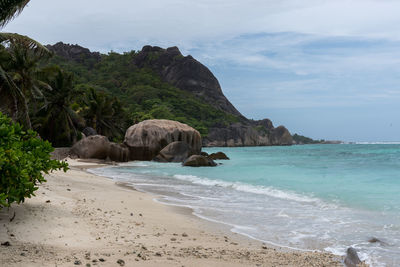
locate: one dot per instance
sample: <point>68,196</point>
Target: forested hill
<point>163,84</point>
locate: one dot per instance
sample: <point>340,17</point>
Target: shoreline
<point>80,218</point>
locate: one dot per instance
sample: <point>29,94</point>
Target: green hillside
<point>139,91</point>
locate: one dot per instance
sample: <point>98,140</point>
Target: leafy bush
<point>24,157</point>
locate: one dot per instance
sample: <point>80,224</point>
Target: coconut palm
<point>9,9</point>
<point>56,121</point>
<point>102,112</point>
<point>16,53</point>
<point>19,82</point>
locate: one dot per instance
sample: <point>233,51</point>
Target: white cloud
<point>100,23</point>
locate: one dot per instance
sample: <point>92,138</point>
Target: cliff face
<point>248,133</point>
<point>187,74</point>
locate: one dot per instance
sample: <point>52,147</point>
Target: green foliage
<point>9,9</point>
<point>19,71</point>
<point>56,120</point>
<point>262,129</point>
<point>140,92</point>
<point>24,157</point>
<point>300,139</point>
<point>102,112</point>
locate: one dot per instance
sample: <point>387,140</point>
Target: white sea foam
<point>378,143</point>
<point>261,190</point>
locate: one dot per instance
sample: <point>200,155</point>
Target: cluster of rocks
<point>158,140</point>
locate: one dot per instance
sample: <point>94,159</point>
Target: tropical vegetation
<point>140,92</point>
<point>24,156</point>
<point>23,159</point>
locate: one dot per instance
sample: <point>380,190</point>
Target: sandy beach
<point>81,219</point>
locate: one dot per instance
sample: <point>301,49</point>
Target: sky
<point>324,69</point>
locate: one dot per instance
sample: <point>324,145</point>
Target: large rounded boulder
<point>92,147</point>
<point>147,138</point>
<point>176,151</point>
<point>98,147</point>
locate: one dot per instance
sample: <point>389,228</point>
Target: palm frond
<point>9,39</point>
<point>10,9</point>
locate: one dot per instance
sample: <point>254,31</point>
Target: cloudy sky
<point>325,69</point>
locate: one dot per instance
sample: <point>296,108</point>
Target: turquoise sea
<point>310,197</point>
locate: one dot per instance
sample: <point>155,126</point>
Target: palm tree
<point>20,57</point>
<point>56,121</point>
<point>14,99</point>
<point>103,113</point>
<point>9,9</point>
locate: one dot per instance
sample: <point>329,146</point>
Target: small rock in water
<point>376,240</point>
<point>352,258</point>
<point>121,262</point>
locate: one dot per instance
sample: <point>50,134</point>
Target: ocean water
<point>311,197</point>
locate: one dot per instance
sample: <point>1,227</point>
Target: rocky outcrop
<point>237,134</point>
<point>98,147</point>
<point>199,161</point>
<point>218,156</point>
<point>174,152</point>
<point>75,52</point>
<point>186,73</point>
<point>147,138</point>
<point>92,147</point>
<point>251,133</point>
<point>280,136</point>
